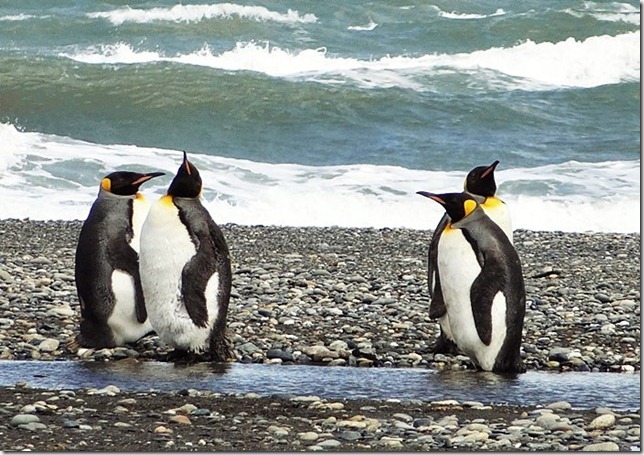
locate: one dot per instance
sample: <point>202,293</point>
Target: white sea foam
<point>370,26</point>
<point>196,13</point>
<point>119,53</point>
<point>20,17</point>
<point>609,12</point>
<point>595,61</point>
<point>51,177</point>
<point>466,16</point>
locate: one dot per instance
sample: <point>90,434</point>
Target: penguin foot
<point>444,345</point>
<point>74,344</point>
<point>180,356</point>
<point>183,357</point>
<point>221,349</point>
<point>511,366</point>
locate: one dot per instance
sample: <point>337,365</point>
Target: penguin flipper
<point>437,307</point>
<point>201,267</point>
<point>193,289</point>
<point>482,295</point>
<point>123,257</point>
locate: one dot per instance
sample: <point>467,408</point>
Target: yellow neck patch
<point>469,205</point>
<point>167,200</point>
<point>492,202</point>
<point>106,184</point>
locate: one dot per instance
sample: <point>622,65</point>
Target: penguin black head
<point>480,180</point>
<point>457,205</point>
<point>126,183</point>
<point>187,182</point>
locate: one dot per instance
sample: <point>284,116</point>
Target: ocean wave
<point>609,12</point>
<point>20,17</point>
<point>468,16</point>
<point>362,28</point>
<point>595,61</point>
<point>52,177</point>
<point>197,13</point>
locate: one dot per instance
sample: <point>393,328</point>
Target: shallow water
<point>582,390</point>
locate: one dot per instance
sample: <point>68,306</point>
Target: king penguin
<point>186,272</point>
<point>479,181</point>
<point>482,284</point>
<point>107,264</point>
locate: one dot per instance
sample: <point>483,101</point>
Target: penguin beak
<point>433,196</point>
<point>146,177</point>
<point>186,163</point>
<point>490,169</point>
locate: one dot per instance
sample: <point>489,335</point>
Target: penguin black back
<point>479,181</point>
<point>104,247</point>
<point>496,274</point>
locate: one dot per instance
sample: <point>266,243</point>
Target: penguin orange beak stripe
<point>431,196</point>
<point>186,164</point>
<point>147,177</point>
<point>490,168</point>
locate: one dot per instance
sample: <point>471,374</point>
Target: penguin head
<point>480,180</point>
<point>187,182</point>
<point>457,205</point>
<point>126,183</point>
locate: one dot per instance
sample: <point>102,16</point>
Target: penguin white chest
<point>458,268</point>
<point>166,247</point>
<point>140,209</point>
<point>125,327</point>
<point>122,320</point>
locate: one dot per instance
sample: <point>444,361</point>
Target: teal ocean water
<point>326,113</point>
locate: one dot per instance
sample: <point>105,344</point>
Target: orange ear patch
<point>106,184</point>
<point>469,205</point>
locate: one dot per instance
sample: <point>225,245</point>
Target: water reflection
<point>583,390</point>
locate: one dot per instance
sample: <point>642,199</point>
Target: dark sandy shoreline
<point>331,296</point>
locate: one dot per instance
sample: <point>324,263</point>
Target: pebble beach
<point>326,296</point>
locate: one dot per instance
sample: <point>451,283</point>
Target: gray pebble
<point>22,419</point>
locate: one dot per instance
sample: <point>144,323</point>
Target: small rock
<point>602,422</point>
<point>181,419</point>
<point>308,436</point>
<point>23,419</point>
<point>329,444</point>
<point>279,354</point>
<point>33,426</point>
<point>560,406</point>
<point>109,390</point>
<point>601,447</point>
<point>349,435</point>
